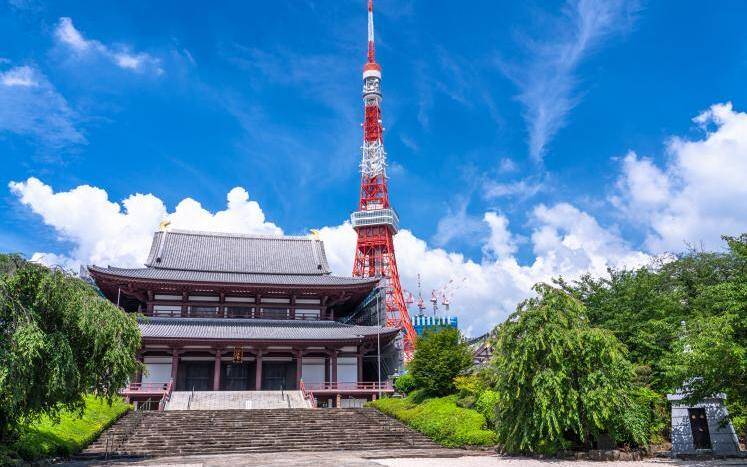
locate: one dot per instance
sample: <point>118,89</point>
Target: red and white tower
<point>375,221</point>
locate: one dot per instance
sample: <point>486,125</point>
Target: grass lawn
<point>45,438</point>
<point>441,420</point>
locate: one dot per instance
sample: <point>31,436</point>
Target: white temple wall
<point>158,369</point>
<point>347,369</point>
<point>312,370</point>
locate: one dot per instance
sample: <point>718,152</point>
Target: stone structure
<point>229,312</point>
<point>702,428</point>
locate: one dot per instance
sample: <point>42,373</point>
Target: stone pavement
<point>398,458</point>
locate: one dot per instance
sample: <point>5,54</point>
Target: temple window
<point>275,313</point>
<point>307,314</point>
<point>203,311</point>
<point>167,310</point>
<point>239,312</point>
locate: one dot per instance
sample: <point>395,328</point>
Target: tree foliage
<point>646,309</point>
<point>440,356</point>
<point>561,382</point>
<point>59,339</point>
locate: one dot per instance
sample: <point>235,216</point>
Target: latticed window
<point>239,312</point>
<point>203,311</point>
<point>275,313</point>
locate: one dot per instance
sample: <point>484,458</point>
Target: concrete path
<point>405,458</point>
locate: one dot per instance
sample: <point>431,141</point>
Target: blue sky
<point>489,107</point>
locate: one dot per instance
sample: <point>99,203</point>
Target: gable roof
<point>237,253</point>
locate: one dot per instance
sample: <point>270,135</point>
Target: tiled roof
<point>232,277</point>
<point>221,252</point>
<point>255,329</point>
<point>203,257</point>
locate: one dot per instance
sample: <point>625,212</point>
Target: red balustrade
<point>149,387</point>
<point>306,394</point>
<point>135,391</point>
<point>350,386</point>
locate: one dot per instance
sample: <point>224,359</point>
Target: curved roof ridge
<point>208,233</point>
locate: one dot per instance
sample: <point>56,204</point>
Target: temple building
<point>230,312</point>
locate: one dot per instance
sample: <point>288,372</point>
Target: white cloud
<point>501,243</point>
<point>547,79</point>
<point>699,193</point>
<point>507,165</point>
<point>105,232</point>
<point>19,76</point>
<point>565,241</point>
<point>121,55</point>
<point>525,188</point>
<point>458,224</point>
<point>31,106</point>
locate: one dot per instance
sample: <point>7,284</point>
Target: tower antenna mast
<point>375,221</point>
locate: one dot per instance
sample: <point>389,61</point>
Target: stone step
<point>181,432</point>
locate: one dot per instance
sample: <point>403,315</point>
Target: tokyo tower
<point>375,221</point>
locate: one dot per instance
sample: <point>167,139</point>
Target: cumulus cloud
<point>120,55</point>
<point>105,232</point>
<point>547,78</point>
<point>699,193</point>
<point>31,106</point>
<point>565,241</point>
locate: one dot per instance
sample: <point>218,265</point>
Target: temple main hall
<point>232,312</point>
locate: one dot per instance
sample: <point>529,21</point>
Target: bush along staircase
<point>186,432</point>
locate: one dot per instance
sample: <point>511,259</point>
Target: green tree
<point>59,339</point>
<point>644,308</point>
<point>559,381</point>
<point>440,356</point>
<point>711,354</point>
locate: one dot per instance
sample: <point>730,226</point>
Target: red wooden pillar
<point>299,368</point>
<point>359,364</point>
<point>326,369</point>
<point>174,364</point>
<point>333,364</point>
<point>216,371</point>
<point>258,372</point>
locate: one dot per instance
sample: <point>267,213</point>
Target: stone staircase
<point>230,400</point>
<point>182,432</point>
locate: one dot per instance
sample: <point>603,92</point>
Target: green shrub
<point>417,396</point>
<point>485,404</point>
<point>468,389</point>
<point>440,356</point>
<point>404,384</point>
<point>71,433</point>
<point>441,420</point>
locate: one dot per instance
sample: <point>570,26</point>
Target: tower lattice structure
<point>375,221</point>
